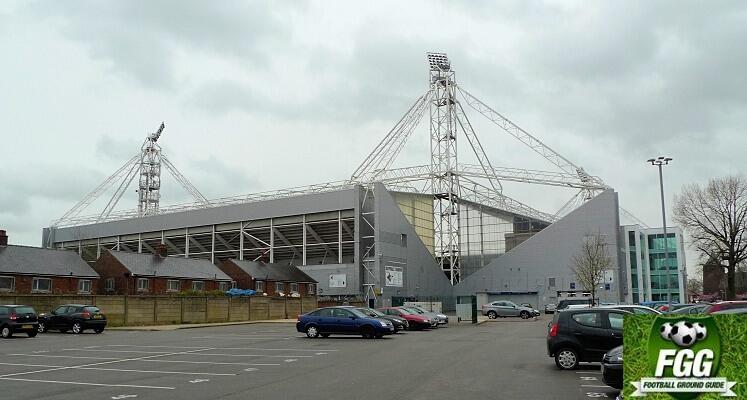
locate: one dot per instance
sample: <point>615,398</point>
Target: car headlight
<point>383,323</point>
<point>618,358</point>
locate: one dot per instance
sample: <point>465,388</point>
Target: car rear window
<point>92,309</point>
<point>25,310</point>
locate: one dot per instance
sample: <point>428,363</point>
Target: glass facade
<point>647,255</point>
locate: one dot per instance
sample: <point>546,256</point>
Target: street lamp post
<point>659,162</point>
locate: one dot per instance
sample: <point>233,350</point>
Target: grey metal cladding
<point>322,272</point>
<point>145,264</point>
<point>305,204</point>
<point>273,272</point>
<point>422,274</point>
<point>39,261</point>
<point>549,252</point>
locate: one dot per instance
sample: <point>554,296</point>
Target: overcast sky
<point>267,95</point>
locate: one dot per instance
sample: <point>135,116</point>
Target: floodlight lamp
<point>439,62</point>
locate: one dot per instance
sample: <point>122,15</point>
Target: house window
<point>7,283</point>
<point>84,286</point>
<point>42,285</point>
<point>109,285</point>
<point>294,287</point>
<point>172,285</point>
<point>311,289</point>
<point>143,284</point>
<point>223,286</point>
<point>259,286</point>
<point>279,286</point>
<point>198,286</point>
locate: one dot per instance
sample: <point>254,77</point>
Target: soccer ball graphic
<point>666,331</point>
<point>700,331</point>
<point>684,334</point>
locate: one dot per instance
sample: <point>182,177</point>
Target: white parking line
<point>76,357</point>
<point>243,337</point>
<point>87,384</point>
<point>210,363</point>
<point>217,348</point>
<point>120,370</point>
<point>253,355</point>
<point>99,363</point>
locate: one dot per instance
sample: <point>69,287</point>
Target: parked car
<point>725,305</point>
<point>343,321</point>
<point>612,368</point>
<point>504,308</point>
<point>665,308</point>
<point>653,304</point>
<point>635,309</point>
<point>692,309</point>
<point>550,308</point>
<point>442,319</point>
<point>584,335</point>
<point>17,319</point>
<point>73,317</point>
<point>563,304</point>
<point>399,323</point>
<point>731,311</point>
<point>416,321</point>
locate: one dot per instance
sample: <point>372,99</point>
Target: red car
<point>416,321</point>
<point>725,305</point>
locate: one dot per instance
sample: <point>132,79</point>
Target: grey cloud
<point>143,39</point>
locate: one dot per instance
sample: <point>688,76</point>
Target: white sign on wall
<point>608,276</point>
<point>393,276</point>
<point>338,280</point>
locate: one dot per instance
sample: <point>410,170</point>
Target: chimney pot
<point>3,238</point>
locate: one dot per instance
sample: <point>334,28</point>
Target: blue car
<point>344,321</point>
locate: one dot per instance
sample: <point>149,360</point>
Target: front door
<point>615,324</point>
<point>346,321</point>
<point>57,317</point>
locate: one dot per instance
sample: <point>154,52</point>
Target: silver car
<point>442,319</point>
<point>504,308</point>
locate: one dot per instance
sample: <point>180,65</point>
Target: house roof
<point>40,261</point>
<point>146,264</point>
<point>273,272</point>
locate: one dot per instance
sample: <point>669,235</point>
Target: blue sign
<point>573,285</point>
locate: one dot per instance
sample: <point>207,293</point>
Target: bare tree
<point>591,262</point>
<point>715,216</point>
<point>694,287</point>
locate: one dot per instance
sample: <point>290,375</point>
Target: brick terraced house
<point>273,279</point>
<point>156,274</point>
<point>33,270</point>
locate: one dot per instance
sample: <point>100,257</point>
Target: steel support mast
<point>149,189</point>
<point>445,177</point>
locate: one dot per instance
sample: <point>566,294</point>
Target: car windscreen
<point>25,310</point>
<point>358,313</point>
<point>374,312</point>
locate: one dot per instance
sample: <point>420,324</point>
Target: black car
<point>612,368</point>
<point>16,319</point>
<point>584,335</point>
<point>73,317</point>
<point>398,322</point>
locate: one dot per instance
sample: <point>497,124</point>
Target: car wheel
<point>566,359</point>
<point>32,333</point>
<point>98,330</point>
<point>524,315</point>
<point>492,314</point>
<point>367,332</point>
<point>42,328</point>
<point>77,328</point>
<point>5,332</point>
<point>312,332</point>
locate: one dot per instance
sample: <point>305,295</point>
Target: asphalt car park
<point>500,359</point>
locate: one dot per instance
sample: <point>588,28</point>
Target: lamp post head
<point>661,160</point>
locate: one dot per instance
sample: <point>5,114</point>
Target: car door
<point>589,329</point>
<point>614,322</point>
<point>57,317</point>
<point>325,320</point>
<point>346,321</point>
